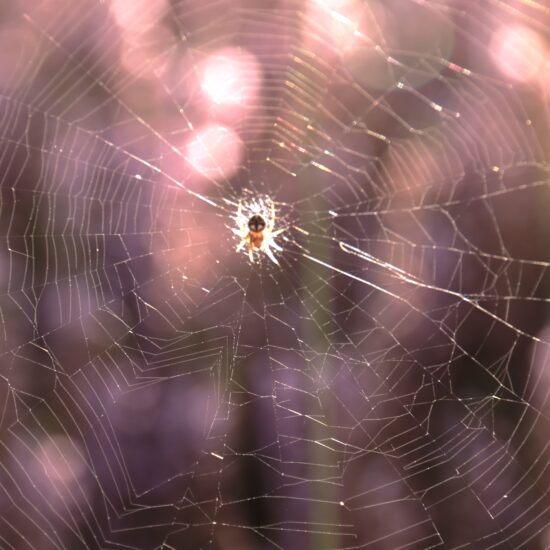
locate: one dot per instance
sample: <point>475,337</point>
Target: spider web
<point>386,386</point>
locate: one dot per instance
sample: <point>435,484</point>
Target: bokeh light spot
<point>215,151</point>
<point>518,52</point>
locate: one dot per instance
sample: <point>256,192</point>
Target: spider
<point>256,222</point>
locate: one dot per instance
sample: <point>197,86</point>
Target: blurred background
<point>385,385</point>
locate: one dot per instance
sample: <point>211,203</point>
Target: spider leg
<point>241,245</point>
<point>251,255</point>
<point>270,255</point>
<point>275,246</point>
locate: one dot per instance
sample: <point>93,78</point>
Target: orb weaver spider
<point>256,228</point>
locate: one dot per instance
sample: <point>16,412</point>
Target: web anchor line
<point>410,279</point>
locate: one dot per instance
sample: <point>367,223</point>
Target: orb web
<point>384,385</point>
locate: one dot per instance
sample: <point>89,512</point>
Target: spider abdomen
<point>256,239</point>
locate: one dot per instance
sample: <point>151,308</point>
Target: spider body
<point>256,222</point>
<point>255,240</point>
<point>255,237</point>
